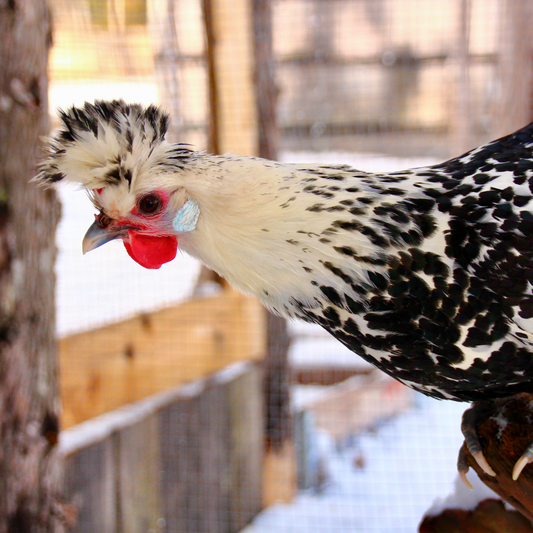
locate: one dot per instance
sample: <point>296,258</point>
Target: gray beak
<point>96,236</point>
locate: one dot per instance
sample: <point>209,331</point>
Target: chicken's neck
<point>287,234</point>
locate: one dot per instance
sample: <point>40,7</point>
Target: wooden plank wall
<point>108,367</point>
<point>188,460</point>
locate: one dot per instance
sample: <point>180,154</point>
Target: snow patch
<point>231,372</point>
<point>462,497</point>
<point>502,422</point>
<point>405,464</point>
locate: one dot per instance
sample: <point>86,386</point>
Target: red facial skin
<point>150,251</point>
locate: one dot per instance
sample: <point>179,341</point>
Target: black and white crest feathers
<point>108,138</point>
<point>90,116</point>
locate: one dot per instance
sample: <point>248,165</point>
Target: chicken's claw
<point>525,459</point>
<point>482,462</point>
<point>463,468</point>
<point>469,430</point>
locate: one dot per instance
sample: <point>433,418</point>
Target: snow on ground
<point>408,463</point>
<point>464,498</point>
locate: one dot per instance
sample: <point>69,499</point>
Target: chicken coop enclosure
<point>186,407</point>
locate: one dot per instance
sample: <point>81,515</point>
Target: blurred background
<point>212,415</point>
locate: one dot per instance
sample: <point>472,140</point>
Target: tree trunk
<point>29,405</point>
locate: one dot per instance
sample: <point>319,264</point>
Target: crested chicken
<point>426,273</point>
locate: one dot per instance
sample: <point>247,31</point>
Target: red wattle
<point>149,251</point>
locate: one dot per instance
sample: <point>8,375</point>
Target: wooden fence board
<point>195,463</point>
<point>213,474</point>
<point>108,367</point>
<point>185,461</point>
<point>246,449</point>
<point>138,472</point>
<point>189,498</point>
<point>175,478</point>
<point>90,486</point>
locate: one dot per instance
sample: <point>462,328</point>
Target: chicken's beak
<point>96,236</point>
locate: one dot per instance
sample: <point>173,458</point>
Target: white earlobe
<point>187,216</point>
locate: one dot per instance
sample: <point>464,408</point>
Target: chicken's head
<point>118,154</point>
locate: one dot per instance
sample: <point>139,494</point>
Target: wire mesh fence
<point>379,85</point>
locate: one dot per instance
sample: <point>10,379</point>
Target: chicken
<point>425,273</point>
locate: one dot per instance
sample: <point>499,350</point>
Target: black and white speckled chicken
<point>426,273</point>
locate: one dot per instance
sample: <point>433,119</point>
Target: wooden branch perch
<point>489,516</point>
<point>505,432</point>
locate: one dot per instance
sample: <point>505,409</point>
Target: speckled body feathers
<point>450,311</point>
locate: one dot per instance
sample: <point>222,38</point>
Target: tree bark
<point>29,405</point>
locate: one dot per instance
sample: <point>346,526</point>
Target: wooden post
<point>277,371</point>
<point>266,89</point>
<point>515,106</point>
<point>213,130</point>
<point>243,97</point>
<point>231,67</point>
<point>280,467</point>
<point>462,117</point>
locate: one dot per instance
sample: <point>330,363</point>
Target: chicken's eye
<point>150,204</point>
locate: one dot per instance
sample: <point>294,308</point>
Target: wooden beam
<point>111,366</point>
<point>212,92</point>
<point>325,376</point>
<point>514,107</point>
